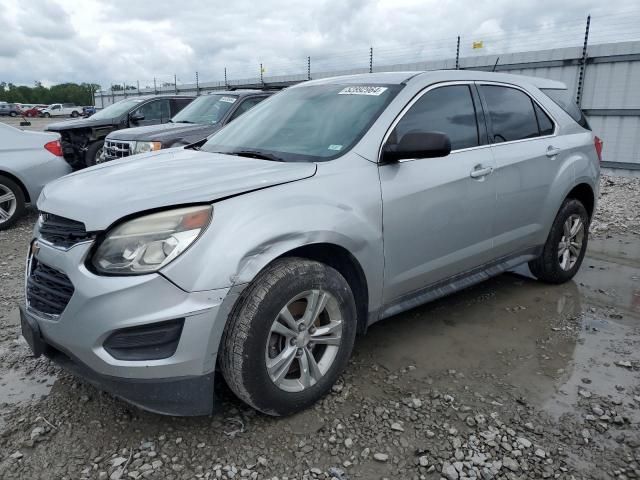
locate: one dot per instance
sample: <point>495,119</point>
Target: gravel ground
<point>509,379</point>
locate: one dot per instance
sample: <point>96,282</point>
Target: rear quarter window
<point>563,99</point>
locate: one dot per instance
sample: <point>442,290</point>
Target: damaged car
<point>257,255</point>
<point>202,117</point>
<point>83,139</point>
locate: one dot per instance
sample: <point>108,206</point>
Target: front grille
<point>62,232</point>
<point>114,149</point>
<point>48,290</point>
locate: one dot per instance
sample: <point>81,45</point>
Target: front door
<point>438,213</point>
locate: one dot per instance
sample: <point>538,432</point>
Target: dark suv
<point>82,139</point>
<point>205,115</point>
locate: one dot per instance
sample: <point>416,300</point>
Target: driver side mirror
<point>417,145</point>
<point>136,117</point>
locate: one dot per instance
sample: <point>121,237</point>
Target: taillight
<point>54,147</point>
<point>598,144</point>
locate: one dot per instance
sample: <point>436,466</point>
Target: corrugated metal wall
<point>610,98</point>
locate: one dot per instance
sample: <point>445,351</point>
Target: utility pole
<point>458,54</point>
<point>226,84</point>
<point>155,88</point>
<point>197,85</point>
<point>309,68</point>
<point>124,84</point>
<point>261,77</point>
<point>371,60</point>
<point>138,84</point>
<point>175,83</point>
<point>583,63</point>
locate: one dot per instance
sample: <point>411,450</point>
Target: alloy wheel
<point>304,340</point>
<point>8,204</point>
<point>570,244</point>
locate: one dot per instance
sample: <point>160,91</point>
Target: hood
<point>81,123</point>
<point>166,133</point>
<point>103,194</point>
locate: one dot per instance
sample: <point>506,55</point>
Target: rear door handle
<point>480,171</point>
<point>552,151</point>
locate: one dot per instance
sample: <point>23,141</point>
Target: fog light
<point>147,342</point>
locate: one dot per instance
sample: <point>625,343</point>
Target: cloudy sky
<point>116,41</point>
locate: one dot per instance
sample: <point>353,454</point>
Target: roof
<point>242,92</point>
<point>437,76</point>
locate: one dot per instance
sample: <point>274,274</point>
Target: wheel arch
<point>340,259</point>
<point>585,194</point>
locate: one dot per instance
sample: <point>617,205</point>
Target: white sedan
<point>28,161</point>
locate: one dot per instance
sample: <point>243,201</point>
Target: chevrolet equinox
<point>262,251</point>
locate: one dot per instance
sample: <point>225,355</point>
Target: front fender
<point>340,206</point>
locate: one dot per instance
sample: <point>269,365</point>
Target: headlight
<point>148,243</point>
<point>145,147</point>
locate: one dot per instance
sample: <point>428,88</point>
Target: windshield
<point>116,109</point>
<point>206,110</point>
<point>305,124</point>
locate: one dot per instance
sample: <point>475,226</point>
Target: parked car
<point>9,109</point>
<point>202,117</point>
<point>262,251</point>
<point>82,139</point>
<point>34,111</point>
<point>28,160</point>
<point>88,111</point>
<point>61,110</point>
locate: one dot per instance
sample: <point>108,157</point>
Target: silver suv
<point>260,253</point>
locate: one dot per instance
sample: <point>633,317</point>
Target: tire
<point>91,157</point>
<point>551,266</point>
<point>12,209</point>
<point>13,114</point>
<point>74,114</point>
<point>47,115</point>
<point>249,341</point>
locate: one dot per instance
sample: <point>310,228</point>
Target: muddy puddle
<point>543,344</point>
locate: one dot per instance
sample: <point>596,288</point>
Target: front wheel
<point>566,244</point>
<point>47,115</point>
<point>289,336</point>
<point>94,153</point>
<point>74,114</point>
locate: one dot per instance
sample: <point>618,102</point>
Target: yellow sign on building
<point>477,45</point>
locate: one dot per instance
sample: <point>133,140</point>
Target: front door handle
<point>552,151</point>
<point>479,171</point>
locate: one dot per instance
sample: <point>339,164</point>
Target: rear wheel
<point>12,202</point>
<point>289,336</point>
<point>93,154</point>
<point>566,245</point>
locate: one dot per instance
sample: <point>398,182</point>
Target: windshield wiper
<point>255,154</point>
<point>184,121</point>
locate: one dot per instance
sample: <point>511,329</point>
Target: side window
<point>448,110</point>
<point>178,104</point>
<point>157,110</point>
<point>511,113</point>
<point>545,125</point>
<point>248,104</point>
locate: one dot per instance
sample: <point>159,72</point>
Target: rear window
<point>563,99</point>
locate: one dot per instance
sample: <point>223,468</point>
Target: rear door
<point>527,156</point>
<point>438,212</point>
